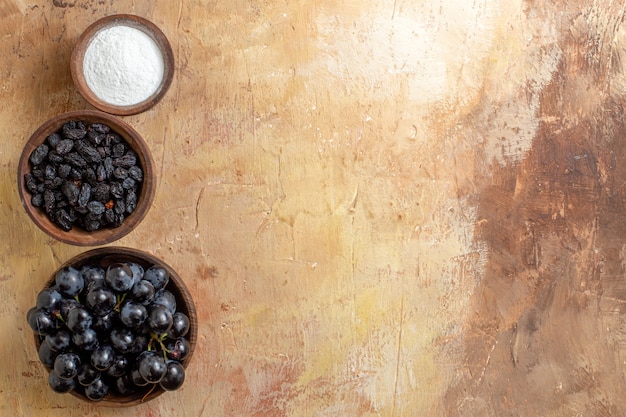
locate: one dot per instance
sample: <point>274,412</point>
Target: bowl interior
<point>106,256</point>
<point>78,56</point>
<point>78,236</point>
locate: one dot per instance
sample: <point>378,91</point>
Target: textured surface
<point>382,208</point>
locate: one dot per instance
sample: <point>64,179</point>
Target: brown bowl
<point>136,22</point>
<point>106,256</point>
<point>78,236</point>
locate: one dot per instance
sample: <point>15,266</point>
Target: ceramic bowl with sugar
<point>122,64</point>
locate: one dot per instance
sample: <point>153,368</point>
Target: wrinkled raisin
<point>125,161</point>
<point>135,173</point>
<point>37,200</point>
<point>64,146</point>
<point>84,195</point>
<point>101,192</point>
<point>31,182</point>
<point>96,207</point>
<point>39,154</point>
<point>71,192</point>
<point>54,139</point>
<point>64,170</point>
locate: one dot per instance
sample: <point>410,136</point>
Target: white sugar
<point>123,65</point>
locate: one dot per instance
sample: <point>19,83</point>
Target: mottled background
<point>382,208</point>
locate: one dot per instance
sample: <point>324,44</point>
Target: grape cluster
<point>111,330</point>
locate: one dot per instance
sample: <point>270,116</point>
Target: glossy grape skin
<point>59,340</point>
<point>174,376</point>
<point>122,339</point>
<point>119,366</point>
<point>60,385</point>
<point>78,319</point>
<point>143,292</point>
<point>124,386</point>
<point>101,301</point>
<point>97,390</point>
<point>132,313</point>
<point>69,281</point>
<point>66,365</point>
<point>167,299</point>
<point>66,306</point>
<point>86,339</point>
<point>47,355</point>
<point>93,276</point>
<point>137,379</point>
<point>49,299</point>
<point>119,277</point>
<point>157,276</point>
<point>41,321</point>
<point>87,374</point>
<point>178,349</point>
<point>180,325</point>
<point>104,324</point>
<point>102,357</point>
<point>137,271</point>
<point>160,319</point>
<point>151,366</point>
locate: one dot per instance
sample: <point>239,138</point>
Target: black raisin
<point>131,202</point>
<point>75,159</point>
<point>50,172</point>
<point>64,170</point>
<point>117,190</point>
<point>118,150</point>
<point>54,183</point>
<point>75,134</point>
<point>108,166</point>
<point>53,139</point>
<point>135,173</point>
<point>38,172</point>
<point>71,192</point>
<point>101,173</point>
<point>95,137</point>
<point>76,174</point>
<point>84,195</point>
<point>30,182</point>
<point>120,206</point>
<point>99,128</point>
<point>126,161</point>
<point>120,173</point>
<point>37,200</point>
<point>101,192</point>
<point>89,175</point>
<point>91,225</point>
<point>64,146</point>
<point>39,154</point>
<point>49,200</point>
<point>54,157</point>
<point>62,218</point>
<point>109,216</point>
<point>129,183</point>
<point>96,207</point>
<point>90,154</point>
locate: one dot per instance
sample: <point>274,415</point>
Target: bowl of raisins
<point>115,326</point>
<point>86,178</point>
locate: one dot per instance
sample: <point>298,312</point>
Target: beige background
<point>382,208</point>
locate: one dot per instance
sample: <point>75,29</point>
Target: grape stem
<point>159,338</point>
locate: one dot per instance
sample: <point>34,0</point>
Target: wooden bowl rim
<point>77,236</point>
<point>111,254</point>
<point>146,26</point>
